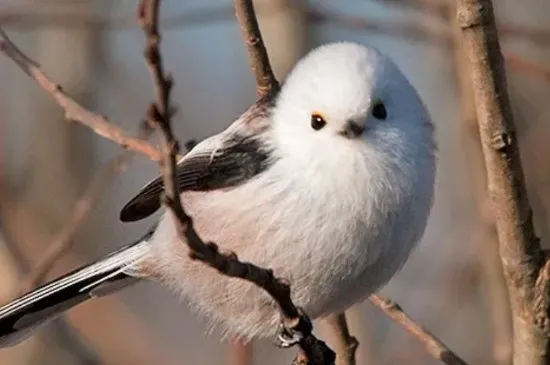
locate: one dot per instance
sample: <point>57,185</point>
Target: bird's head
<point>346,96</point>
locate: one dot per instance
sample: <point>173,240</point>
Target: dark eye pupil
<point>379,111</point>
<point>317,122</point>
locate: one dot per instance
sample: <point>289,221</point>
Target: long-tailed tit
<point>329,183</point>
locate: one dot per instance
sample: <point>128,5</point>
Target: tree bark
<point>484,225</point>
<point>525,267</point>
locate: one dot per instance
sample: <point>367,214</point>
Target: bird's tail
<point>21,317</point>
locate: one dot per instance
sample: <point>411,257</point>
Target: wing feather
<point>222,161</point>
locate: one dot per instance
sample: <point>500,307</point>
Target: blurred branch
<point>346,345</point>
<point>108,326</point>
<point>73,110</point>
<point>63,241</point>
<point>433,345</point>
<point>266,83</point>
<point>239,352</point>
<point>226,263</point>
<point>525,264</point>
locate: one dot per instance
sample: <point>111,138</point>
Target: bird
<point>329,182</point>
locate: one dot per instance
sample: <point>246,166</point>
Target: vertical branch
<point>266,83</point>
<point>484,225</point>
<point>159,111</point>
<point>346,345</point>
<point>294,320</point>
<point>526,269</point>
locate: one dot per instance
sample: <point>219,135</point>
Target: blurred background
<point>61,186</point>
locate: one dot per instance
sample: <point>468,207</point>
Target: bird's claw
<point>291,333</point>
<point>287,337</point>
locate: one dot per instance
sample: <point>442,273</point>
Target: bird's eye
<point>379,111</point>
<point>317,121</point>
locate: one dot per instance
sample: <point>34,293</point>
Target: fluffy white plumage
<point>329,184</point>
<point>335,216</point>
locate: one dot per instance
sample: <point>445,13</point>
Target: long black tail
<point>20,318</point>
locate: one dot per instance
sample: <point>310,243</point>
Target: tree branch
<point>208,252</point>
<point>101,323</point>
<point>73,110</point>
<point>433,345</point>
<point>63,240</point>
<point>522,258</point>
<point>159,112</point>
<point>266,83</point>
<point>489,262</point>
<point>346,346</point>
<point>228,264</point>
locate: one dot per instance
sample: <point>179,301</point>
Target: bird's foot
<point>287,337</point>
<point>291,332</point>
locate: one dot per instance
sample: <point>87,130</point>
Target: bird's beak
<point>352,129</point>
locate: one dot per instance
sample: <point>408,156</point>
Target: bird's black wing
<point>222,161</point>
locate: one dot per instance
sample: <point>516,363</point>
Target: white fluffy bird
<point>329,183</point>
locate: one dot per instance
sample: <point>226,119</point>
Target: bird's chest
<point>323,236</point>
<point>309,225</point>
<point>274,219</point>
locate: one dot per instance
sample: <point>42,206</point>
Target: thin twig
<point>433,345</point>
<point>266,83</point>
<point>64,238</point>
<point>207,252</point>
<point>523,261</point>
<point>73,110</point>
<point>346,344</point>
<point>226,263</point>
